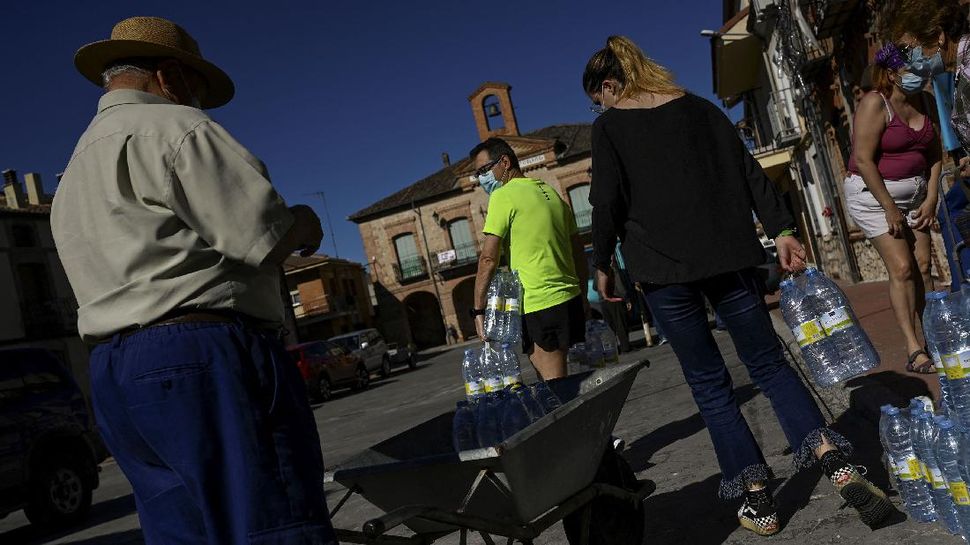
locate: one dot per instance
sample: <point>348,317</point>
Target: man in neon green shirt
<point>538,228</point>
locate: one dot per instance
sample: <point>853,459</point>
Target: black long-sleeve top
<point>676,184</point>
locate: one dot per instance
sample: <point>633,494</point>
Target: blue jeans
<point>211,425</point>
<point>956,202</point>
<point>737,299</point>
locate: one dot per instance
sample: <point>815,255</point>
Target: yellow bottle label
<point>955,366</point>
<point>910,469</point>
<point>959,492</point>
<point>809,332</point>
<point>474,388</point>
<point>495,303</point>
<point>937,479</point>
<point>493,385</point>
<point>925,472</point>
<point>511,305</point>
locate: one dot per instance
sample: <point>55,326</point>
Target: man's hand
<point>604,285</point>
<point>791,254</point>
<point>480,327</point>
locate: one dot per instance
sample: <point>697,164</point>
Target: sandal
<point>925,368</point>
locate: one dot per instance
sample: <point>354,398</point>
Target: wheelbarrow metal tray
<point>534,470</point>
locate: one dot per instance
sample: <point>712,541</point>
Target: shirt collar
<point>129,96</point>
<point>523,179</point>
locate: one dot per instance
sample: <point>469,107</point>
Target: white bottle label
<point>495,303</point>
<point>493,384</point>
<point>957,366</point>
<point>835,320</point>
<point>936,478</point>
<point>474,388</point>
<point>511,305</point>
<point>809,332</point>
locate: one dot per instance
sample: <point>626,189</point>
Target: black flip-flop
<point>923,369</point>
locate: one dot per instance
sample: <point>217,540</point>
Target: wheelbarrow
<point>561,467</point>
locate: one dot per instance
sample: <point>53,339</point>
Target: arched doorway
<point>424,319</point>
<point>463,297</point>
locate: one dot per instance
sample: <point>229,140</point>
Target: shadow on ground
<point>101,513</point>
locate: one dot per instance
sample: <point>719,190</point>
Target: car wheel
<point>59,495</point>
<point>320,390</point>
<point>386,367</point>
<point>412,363</point>
<point>363,378</point>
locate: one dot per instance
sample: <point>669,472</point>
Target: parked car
<point>49,449</point>
<point>400,354</point>
<point>326,366</point>
<point>370,346</point>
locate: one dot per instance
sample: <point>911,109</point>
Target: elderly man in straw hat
<point>172,236</point>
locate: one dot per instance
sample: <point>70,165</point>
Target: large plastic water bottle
<point>964,435</point>
<point>856,352</point>
<point>801,311</point>
<point>547,399</point>
<point>493,378</point>
<point>512,317</point>
<point>948,455</point>
<point>471,371</point>
<point>900,449</point>
<point>488,425</point>
<point>932,475</point>
<point>464,434</point>
<point>885,420</point>
<point>950,333</point>
<point>601,346</point>
<point>514,417</point>
<point>931,312</point>
<point>494,308</point>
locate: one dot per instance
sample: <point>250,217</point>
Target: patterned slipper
<point>758,513</point>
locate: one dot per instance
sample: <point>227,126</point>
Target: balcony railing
<point>410,269</point>
<point>828,17</point>
<point>465,253</point>
<point>781,129</point>
<point>584,219</point>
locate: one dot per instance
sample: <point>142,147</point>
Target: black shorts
<point>554,328</point>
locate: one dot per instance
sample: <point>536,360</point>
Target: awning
<point>736,57</point>
<point>775,164</point>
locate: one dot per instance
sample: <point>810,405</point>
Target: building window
<point>409,262</point>
<point>493,113</point>
<point>462,241</point>
<point>582,210</point>
<point>295,298</point>
<point>24,236</point>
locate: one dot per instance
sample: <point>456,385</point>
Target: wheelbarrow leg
<point>463,536</point>
<point>584,524</point>
<point>487,538</point>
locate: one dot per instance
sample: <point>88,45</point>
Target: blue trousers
<point>211,425</point>
<point>956,202</point>
<point>738,301</point>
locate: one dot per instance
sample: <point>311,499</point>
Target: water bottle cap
<point>936,296</point>
<point>892,411</point>
<point>811,271</point>
<point>787,283</point>
<point>885,408</point>
<point>469,351</point>
<point>506,346</point>
<point>945,424</point>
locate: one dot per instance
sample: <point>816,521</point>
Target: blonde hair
<point>623,61</point>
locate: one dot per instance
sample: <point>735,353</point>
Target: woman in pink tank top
<point>893,183</point>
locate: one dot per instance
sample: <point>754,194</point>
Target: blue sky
<point>356,99</point>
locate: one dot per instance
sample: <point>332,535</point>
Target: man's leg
<point>547,335</point>
<point>225,410</point>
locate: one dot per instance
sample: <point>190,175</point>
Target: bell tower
<point>492,107</point>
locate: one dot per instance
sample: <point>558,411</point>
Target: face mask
<point>925,66</point>
<point>488,182</point>
<point>912,84</point>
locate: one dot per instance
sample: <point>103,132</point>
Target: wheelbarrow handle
<point>375,528</point>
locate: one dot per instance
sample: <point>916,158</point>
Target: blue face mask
<point>912,84</point>
<point>488,182</point>
<point>925,66</point>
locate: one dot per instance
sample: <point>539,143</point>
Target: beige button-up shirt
<point>161,210</point>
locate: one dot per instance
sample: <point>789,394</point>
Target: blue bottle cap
<point>787,283</point>
<point>506,346</point>
<point>946,424</point>
<point>892,410</point>
<point>936,296</point>
<point>811,271</point>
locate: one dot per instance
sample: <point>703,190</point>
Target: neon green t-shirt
<point>537,227</point>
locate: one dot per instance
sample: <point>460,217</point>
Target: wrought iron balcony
<point>410,269</point>
<point>828,17</point>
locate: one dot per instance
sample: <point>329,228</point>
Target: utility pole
<point>431,273</point>
<point>326,213</point>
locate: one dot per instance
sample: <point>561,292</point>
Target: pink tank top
<point>903,151</point>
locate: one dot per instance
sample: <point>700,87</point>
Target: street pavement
<point>666,443</point>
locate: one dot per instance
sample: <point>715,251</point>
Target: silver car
<point>370,346</point>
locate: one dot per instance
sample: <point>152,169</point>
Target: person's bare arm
<point>869,126</point>
<point>487,265</point>
<point>305,235</point>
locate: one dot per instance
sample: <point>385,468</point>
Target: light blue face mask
<point>925,66</point>
<point>488,182</point>
<point>911,84</point>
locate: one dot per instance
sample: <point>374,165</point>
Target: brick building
<point>37,305</point>
<point>422,242</point>
<point>329,296</point>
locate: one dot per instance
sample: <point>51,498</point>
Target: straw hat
<point>153,37</point>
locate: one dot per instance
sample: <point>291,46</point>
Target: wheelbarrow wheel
<point>613,521</point>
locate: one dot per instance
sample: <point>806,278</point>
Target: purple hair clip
<point>890,57</point>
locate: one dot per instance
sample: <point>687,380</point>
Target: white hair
<point>116,70</point>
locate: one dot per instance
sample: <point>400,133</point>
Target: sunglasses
<point>484,169</point>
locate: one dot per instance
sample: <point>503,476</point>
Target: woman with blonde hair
<point>672,180</point>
